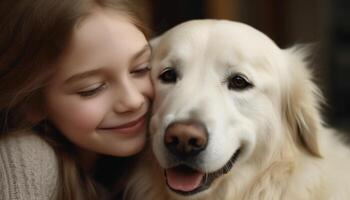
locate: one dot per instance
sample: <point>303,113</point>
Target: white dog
<point>236,117</point>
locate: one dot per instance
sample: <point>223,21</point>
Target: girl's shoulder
<point>28,167</point>
<point>27,146</point>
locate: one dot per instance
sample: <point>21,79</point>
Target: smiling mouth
<point>127,125</point>
<point>185,180</point>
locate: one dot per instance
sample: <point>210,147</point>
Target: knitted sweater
<point>28,168</point>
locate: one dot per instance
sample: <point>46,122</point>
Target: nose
<point>186,139</point>
<point>129,99</point>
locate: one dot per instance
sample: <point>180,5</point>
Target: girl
<point>74,85</point>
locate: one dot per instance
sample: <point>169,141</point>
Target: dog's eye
<point>169,75</point>
<point>238,82</point>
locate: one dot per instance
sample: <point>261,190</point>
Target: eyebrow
<point>83,75</point>
<point>144,50</point>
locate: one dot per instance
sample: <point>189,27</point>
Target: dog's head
<point>227,98</point>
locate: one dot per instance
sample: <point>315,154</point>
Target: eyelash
<point>141,71</point>
<point>92,92</point>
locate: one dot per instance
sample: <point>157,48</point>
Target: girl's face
<point>100,96</point>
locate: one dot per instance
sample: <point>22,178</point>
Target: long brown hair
<point>33,35</point>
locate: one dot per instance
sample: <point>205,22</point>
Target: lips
<point>130,125</point>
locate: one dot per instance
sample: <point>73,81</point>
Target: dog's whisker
<point>205,177</point>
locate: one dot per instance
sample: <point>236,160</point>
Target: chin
<point>130,148</point>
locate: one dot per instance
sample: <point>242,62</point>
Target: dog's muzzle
<point>184,142</point>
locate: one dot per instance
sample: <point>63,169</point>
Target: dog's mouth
<point>185,180</point>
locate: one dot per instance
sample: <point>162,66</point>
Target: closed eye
<point>92,91</point>
<point>141,70</point>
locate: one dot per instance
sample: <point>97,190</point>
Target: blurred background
<point>325,23</point>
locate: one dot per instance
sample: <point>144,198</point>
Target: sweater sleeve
<point>28,168</point>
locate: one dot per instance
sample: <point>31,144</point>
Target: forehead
<point>102,39</point>
<point>217,39</point>
<point>105,28</point>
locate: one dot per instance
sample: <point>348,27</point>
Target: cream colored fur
<point>287,152</point>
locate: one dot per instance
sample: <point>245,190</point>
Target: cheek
<point>85,116</point>
<point>76,114</point>
<point>145,86</point>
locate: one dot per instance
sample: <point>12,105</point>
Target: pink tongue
<point>183,181</point>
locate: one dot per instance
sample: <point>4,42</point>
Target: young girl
<point>74,85</point>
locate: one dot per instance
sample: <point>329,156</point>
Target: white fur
<point>287,152</point>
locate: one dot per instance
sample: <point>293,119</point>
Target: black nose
<point>186,138</point>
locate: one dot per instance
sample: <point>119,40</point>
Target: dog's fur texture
<point>286,151</point>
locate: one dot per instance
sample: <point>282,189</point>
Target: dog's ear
<point>301,102</point>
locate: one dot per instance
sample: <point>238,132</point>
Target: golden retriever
<point>236,117</point>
